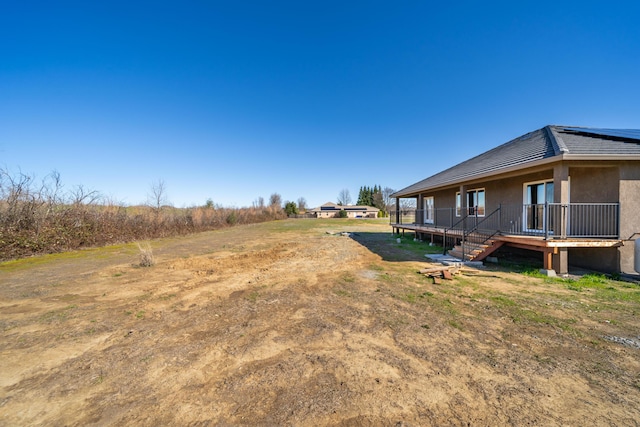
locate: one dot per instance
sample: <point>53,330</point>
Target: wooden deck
<point>548,247</point>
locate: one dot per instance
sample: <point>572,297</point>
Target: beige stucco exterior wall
<point>605,260</point>
<point>629,212</point>
<point>325,214</point>
<point>443,199</point>
<point>594,184</point>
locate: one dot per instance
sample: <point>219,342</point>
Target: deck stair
<point>475,251</point>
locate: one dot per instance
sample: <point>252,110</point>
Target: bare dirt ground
<point>283,324</point>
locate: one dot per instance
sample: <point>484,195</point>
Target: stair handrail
<point>444,236</point>
<point>467,233</point>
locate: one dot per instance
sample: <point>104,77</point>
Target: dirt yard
<point>284,324</point>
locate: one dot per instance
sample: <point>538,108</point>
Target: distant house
<point>332,210</point>
<point>571,193</point>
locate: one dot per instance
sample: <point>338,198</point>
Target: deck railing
<point>549,220</point>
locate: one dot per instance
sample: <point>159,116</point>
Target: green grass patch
<point>455,324</point>
<point>253,296</point>
<point>413,297</point>
<point>527,310</point>
<point>413,246</point>
<point>603,289</point>
<point>58,315</point>
<point>322,224</point>
<point>41,260</point>
<point>503,301</point>
<point>599,286</point>
<point>612,294</point>
<point>390,278</point>
<point>348,278</point>
<point>523,315</point>
<point>535,273</point>
<point>589,281</point>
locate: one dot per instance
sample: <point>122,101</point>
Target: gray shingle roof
<point>546,143</point>
<point>586,141</point>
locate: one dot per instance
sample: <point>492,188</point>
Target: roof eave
<point>509,169</point>
<point>620,157</point>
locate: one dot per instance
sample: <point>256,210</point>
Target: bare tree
<point>378,202</point>
<point>275,200</point>
<point>51,186</point>
<point>408,203</point>
<point>158,195</point>
<point>259,202</point>
<point>302,204</point>
<point>344,197</point>
<point>387,199</point>
<point>14,188</point>
<point>81,195</point>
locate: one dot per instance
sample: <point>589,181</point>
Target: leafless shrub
<point>146,255</point>
<point>37,218</point>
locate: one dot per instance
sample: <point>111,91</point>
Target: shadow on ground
<point>387,247</point>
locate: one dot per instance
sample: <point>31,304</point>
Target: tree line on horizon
<point>41,217</point>
<point>375,196</point>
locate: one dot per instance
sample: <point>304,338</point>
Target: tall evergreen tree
<point>372,196</point>
<point>367,197</point>
<point>360,198</point>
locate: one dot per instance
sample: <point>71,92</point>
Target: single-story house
<point>572,193</point>
<point>332,210</point>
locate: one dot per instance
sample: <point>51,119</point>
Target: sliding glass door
<point>536,196</point>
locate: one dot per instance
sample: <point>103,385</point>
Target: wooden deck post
<point>561,261</point>
<point>548,260</point>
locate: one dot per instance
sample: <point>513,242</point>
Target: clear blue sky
<point>235,100</point>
